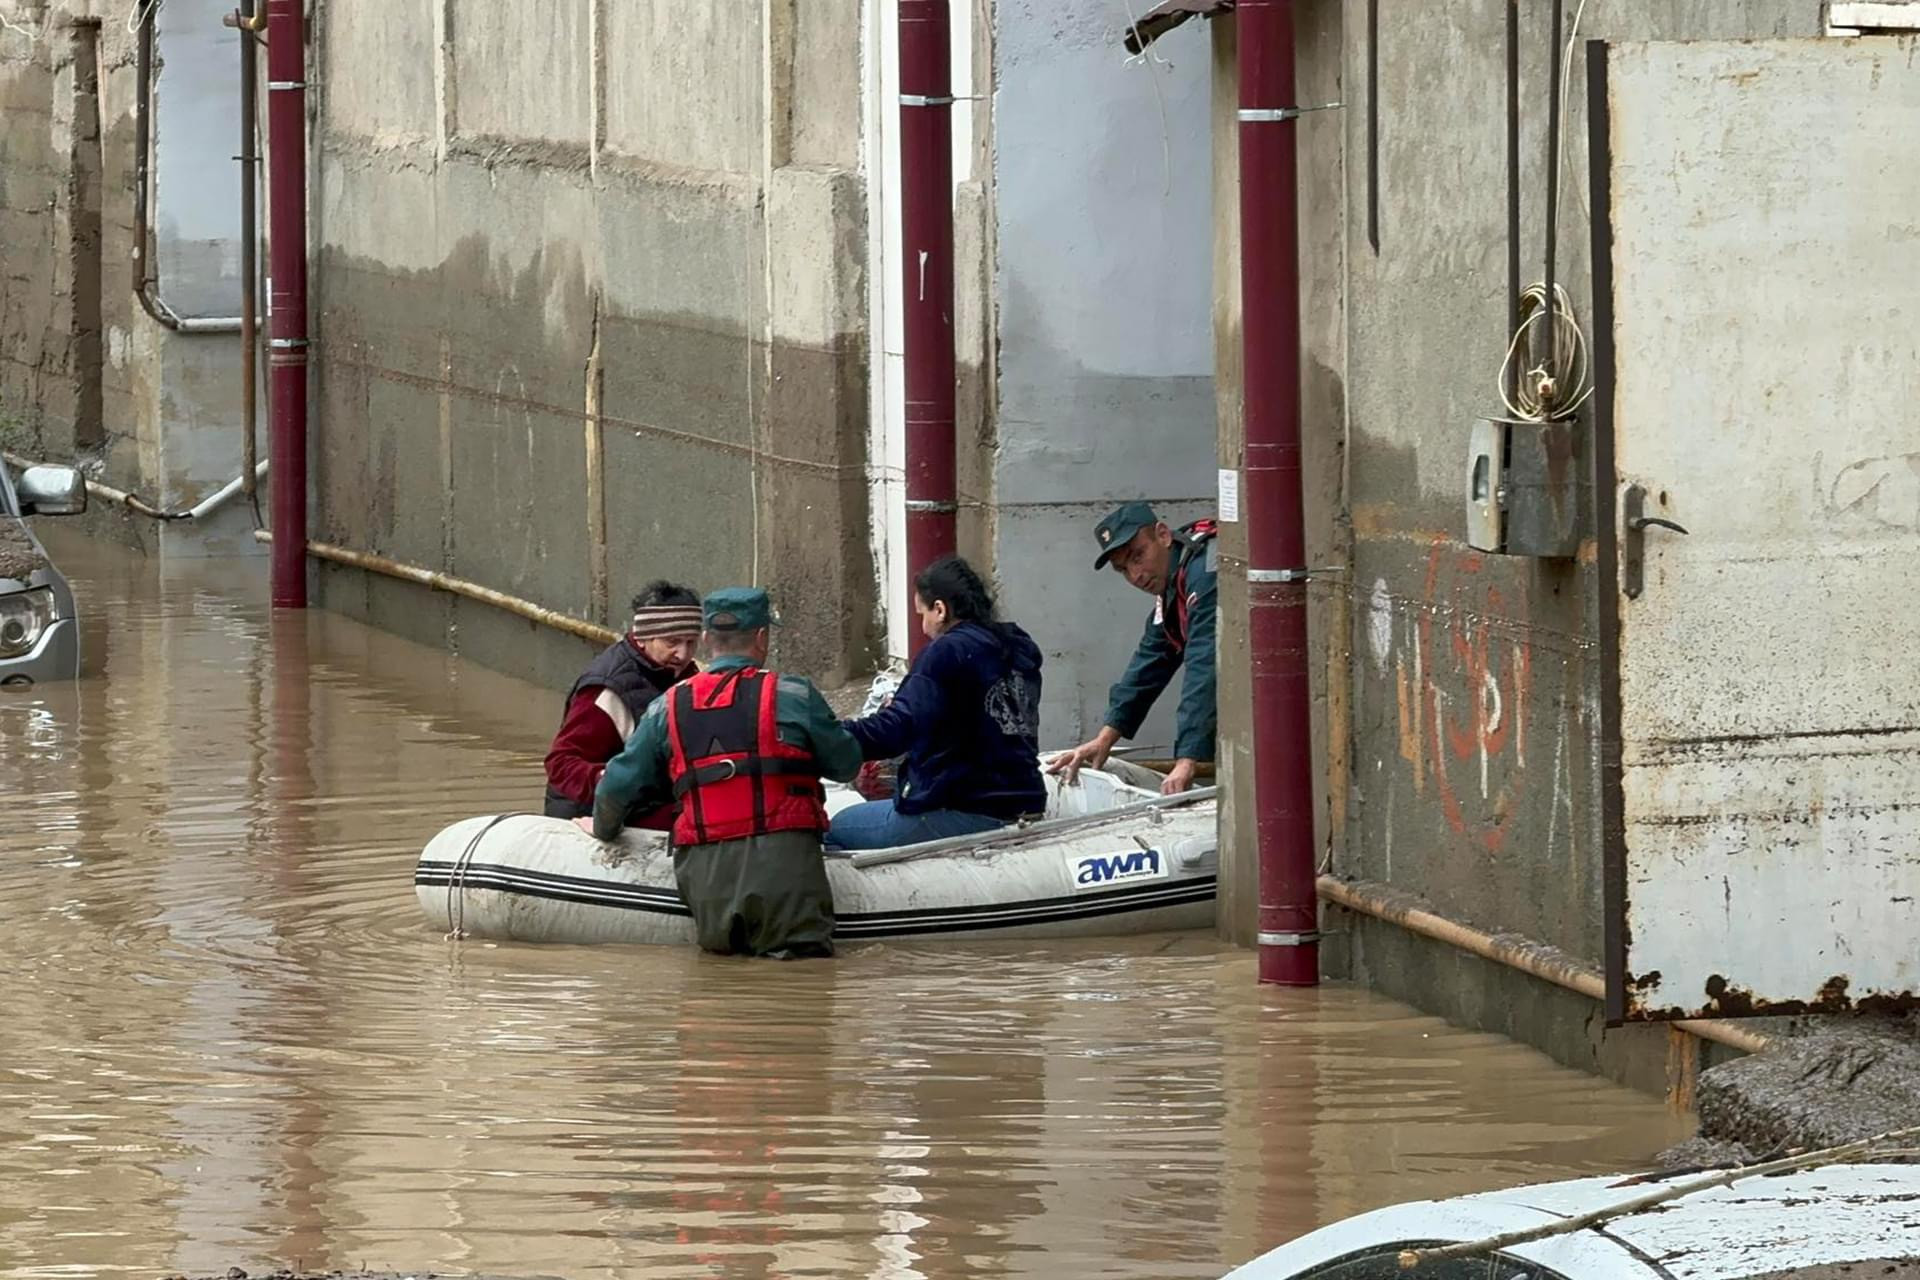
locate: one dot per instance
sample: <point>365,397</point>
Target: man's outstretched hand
<point>1090,754</point>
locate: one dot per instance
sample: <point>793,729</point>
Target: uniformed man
<point>1177,568</point>
<point>743,749</point>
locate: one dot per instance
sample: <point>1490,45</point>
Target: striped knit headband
<point>666,621</point>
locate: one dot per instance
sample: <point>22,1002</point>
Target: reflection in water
<point>230,1039</point>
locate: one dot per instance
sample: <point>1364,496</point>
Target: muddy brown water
<point>228,1038</point>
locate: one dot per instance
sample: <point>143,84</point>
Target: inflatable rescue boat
<point>1108,858</point>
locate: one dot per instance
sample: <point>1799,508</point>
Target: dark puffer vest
<point>634,682</point>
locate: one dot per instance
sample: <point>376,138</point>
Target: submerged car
<point>1838,1222</point>
<point>39,630</point>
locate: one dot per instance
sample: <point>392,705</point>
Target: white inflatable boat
<point>1108,858</point>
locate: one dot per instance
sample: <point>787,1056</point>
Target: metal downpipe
<point>287,306</point>
<point>926,224</point>
<point>1289,937</point>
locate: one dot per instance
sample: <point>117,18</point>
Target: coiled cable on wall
<point>1553,383</point>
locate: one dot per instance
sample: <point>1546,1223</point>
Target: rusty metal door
<point>1757,314</point>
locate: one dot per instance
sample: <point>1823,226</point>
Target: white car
<point>1840,1222</point>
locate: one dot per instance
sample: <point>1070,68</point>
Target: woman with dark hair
<point>967,718</point>
<point>607,701</point>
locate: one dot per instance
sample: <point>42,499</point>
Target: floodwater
<point>227,1038</point>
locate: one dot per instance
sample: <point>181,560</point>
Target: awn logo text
<point>1116,868</point>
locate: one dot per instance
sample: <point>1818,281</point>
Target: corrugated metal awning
<point>1169,14</point>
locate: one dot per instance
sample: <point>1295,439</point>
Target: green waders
<point>762,896</point>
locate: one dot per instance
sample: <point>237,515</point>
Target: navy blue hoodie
<point>967,717</point>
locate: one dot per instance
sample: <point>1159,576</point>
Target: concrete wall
<point>84,372</point>
<point>1100,196</point>
<point>48,118</point>
<point>1460,755</point>
<point>590,293</point>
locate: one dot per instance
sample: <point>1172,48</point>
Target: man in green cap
<point>743,750</point>
<point>1177,568</point>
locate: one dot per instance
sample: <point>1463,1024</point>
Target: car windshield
<point>1382,1262</point>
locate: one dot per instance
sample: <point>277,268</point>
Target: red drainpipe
<point>1289,939</point>
<point>287,298</point>
<point>926,233</point>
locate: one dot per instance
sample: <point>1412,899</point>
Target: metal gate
<point>1757,295</point>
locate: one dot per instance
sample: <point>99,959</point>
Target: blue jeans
<point>877,825</point>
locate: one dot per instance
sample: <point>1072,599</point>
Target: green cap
<point>1118,529</point>
<point>736,609</point>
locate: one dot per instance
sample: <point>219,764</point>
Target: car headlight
<point>24,615</point>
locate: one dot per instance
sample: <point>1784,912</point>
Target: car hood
<point>22,561</point>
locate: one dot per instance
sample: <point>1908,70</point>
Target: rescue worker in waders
<point>743,750</point>
<point>607,701</point>
<point>1177,568</point>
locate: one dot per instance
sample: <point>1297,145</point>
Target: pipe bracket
<point>1279,115</point>
<point>1271,939</point>
<point>932,506</point>
<point>287,344</point>
<point>277,86</point>
<point>1289,575</point>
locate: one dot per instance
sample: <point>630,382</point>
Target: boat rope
<point>457,878</point>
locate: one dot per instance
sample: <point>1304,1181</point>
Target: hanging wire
<point>1554,383</point>
<point>8,24</point>
<point>1150,58</point>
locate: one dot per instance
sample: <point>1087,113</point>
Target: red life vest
<point>733,776</point>
<point>1198,535</point>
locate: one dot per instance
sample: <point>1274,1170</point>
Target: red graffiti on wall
<point>1464,705</point>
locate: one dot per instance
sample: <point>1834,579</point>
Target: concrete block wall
<point>40,328</point>
<point>590,297</point>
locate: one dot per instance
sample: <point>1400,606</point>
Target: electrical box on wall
<point>1523,488</point>
<point>1486,486</point>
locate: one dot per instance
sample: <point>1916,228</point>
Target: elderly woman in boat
<point>967,718</point>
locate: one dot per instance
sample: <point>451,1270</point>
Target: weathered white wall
<point>1104,285</point>
<point>1768,672</point>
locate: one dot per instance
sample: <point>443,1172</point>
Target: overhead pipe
<point>926,227</point>
<point>1289,938</point>
<point>146,275</point>
<point>287,303</point>
<point>248,24</point>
